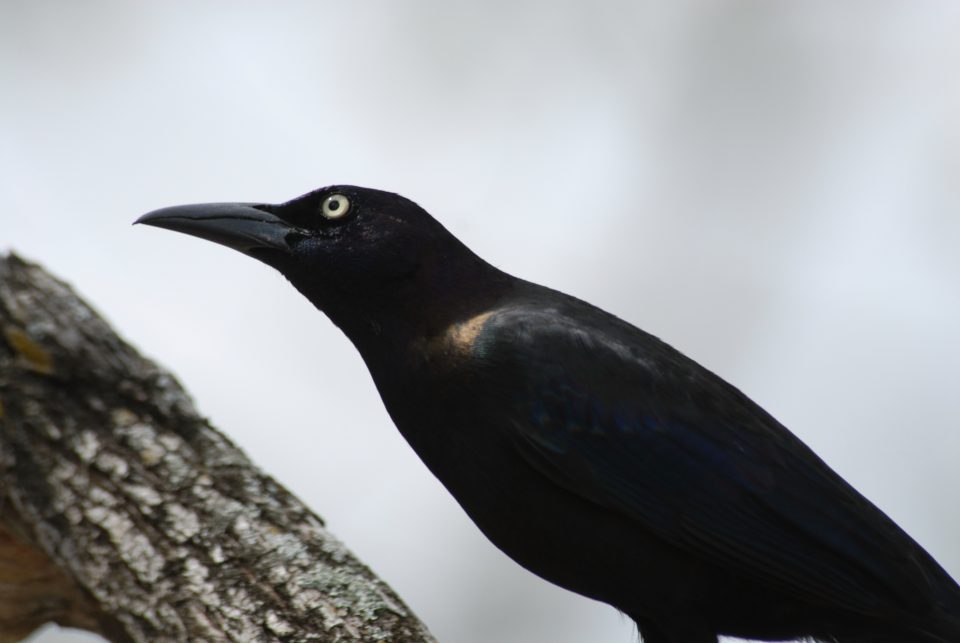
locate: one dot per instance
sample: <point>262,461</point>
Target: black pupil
<point>334,204</point>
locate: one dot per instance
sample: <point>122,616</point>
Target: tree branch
<point>123,512</point>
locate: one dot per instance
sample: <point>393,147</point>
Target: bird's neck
<point>421,305</point>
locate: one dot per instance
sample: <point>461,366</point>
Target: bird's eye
<point>335,206</point>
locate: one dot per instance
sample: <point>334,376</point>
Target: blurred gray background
<point>771,187</point>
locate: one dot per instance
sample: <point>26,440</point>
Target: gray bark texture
<point>123,512</point>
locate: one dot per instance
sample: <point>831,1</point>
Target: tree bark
<point>124,512</point>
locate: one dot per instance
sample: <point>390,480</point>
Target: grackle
<point>589,451</point>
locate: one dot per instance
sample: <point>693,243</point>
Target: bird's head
<point>367,258</point>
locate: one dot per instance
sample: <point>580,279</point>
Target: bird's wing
<point>623,420</point>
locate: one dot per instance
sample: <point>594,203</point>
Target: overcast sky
<point>773,188</point>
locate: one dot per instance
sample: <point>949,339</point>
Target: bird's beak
<point>241,226</point>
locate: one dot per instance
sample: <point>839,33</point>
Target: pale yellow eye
<point>335,206</point>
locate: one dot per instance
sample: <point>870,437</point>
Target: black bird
<point>589,451</point>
